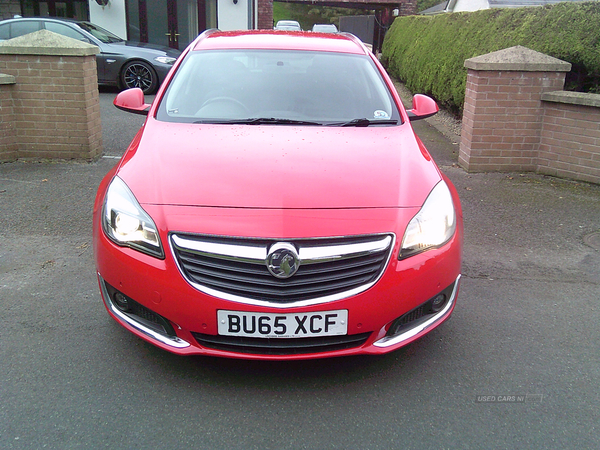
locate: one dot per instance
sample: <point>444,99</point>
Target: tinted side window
<point>23,27</point>
<point>65,30</point>
<point>4,31</point>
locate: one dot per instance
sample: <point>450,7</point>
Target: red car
<point>277,204</point>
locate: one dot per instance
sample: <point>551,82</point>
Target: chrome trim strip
<point>258,255</point>
<point>395,340</point>
<point>247,253</point>
<point>311,255</point>
<point>265,303</point>
<point>387,239</point>
<point>175,342</point>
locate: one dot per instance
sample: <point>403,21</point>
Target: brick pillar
<point>265,14</point>
<point>407,8</point>
<point>8,143</point>
<point>56,106</point>
<point>503,111</point>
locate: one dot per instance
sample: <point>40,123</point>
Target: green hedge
<point>428,53</point>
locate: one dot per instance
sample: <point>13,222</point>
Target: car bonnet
<point>250,166</point>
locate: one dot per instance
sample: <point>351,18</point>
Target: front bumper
<point>151,331</point>
<point>158,286</point>
<point>139,324</point>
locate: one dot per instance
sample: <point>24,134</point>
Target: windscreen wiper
<point>259,121</point>
<point>276,121</point>
<point>363,122</point>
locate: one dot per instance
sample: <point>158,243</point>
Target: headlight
<point>165,59</point>
<point>433,225</point>
<point>126,223</point>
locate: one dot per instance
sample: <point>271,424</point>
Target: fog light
<point>121,301</point>
<point>438,303</point>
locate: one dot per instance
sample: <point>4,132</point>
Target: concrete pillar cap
<point>517,59</point>
<point>7,79</point>
<point>44,42</point>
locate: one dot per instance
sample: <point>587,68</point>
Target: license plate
<point>289,325</point>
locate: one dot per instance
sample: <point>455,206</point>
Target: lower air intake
<point>260,346</point>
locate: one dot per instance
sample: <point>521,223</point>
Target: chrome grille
<point>236,269</point>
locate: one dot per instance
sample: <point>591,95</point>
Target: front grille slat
<point>266,280</point>
<point>246,279</point>
<point>298,346</point>
<point>220,264</point>
<point>283,292</point>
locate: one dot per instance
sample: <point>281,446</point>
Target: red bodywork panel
<point>292,40</point>
<point>279,167</point>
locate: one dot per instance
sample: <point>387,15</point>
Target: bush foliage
<point>428,53</point>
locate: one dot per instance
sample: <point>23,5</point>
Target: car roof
<point>45,19</point>
<point>279,40</point>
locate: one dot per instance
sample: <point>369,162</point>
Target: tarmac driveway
<point>517,365</point>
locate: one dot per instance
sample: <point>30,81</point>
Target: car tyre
<point>139,74</point>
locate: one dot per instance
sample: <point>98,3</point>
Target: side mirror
<point>423,107</point>
<point>132,100</point>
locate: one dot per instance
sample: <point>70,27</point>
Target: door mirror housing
<point>132,100</point>
<point>423,107</point>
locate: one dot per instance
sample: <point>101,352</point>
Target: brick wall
<point>517,118</point>
<point>265,15</point>
<point>9,8</point>
<point>55,109</point>
<point>8,143</point>
<point>503,118</point>
<point>570,137</point>
<point>407,8</point>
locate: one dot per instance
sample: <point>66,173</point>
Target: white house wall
<point>233,16</point>
<point>110,17</point>
<point>470,5</point>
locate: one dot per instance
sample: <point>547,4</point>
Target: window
<point>99,33</point>
<point>65,30</point>
<point>294,85</point>
<point>4,32</point>
<point>321,87</point>
<point>24,27</point>
<point>73,9</point>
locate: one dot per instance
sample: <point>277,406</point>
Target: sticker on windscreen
<point>380,114</point>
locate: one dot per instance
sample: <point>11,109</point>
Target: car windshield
<point>278,87</point>
<point>325,28</point>
<point>291,25</point>
<point>99,33</point>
